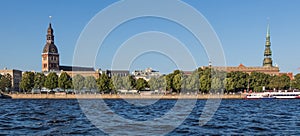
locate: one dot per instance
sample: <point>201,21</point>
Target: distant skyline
<point>240,25</point>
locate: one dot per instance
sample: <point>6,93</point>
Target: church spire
<point>268,31</point>
<point>50,36</point>
<point>50,56</point>
<point>268,53</point>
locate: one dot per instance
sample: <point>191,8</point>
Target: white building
<point>146,74</point>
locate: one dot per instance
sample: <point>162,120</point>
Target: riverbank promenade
<point>124,96</point>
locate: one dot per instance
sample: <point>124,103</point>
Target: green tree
<point>39,80</point>
<point>128,82</point>
<point>177,82</point>
<point>296,82</point>
<point>64,81</point>
<point>117,82</point>
<point>141,84</point>
<point>78,82</point>
<point>229,86</point>
<point>111,86</point>
<point>5,82</point>
<point>205,83</point>
<point>103,83</point>
<point>132,81</point>
<point>258,80</point>
<point>216,84</point>
<point>157,83</point>
<point>239,79</point>
<point>169,81</point>
<point>27,81</point>
<point>51,81</point>
<point>90,83</point>
<point>280,82</point>
<point>192,82</point>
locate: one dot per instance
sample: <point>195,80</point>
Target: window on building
<point>45,65</point>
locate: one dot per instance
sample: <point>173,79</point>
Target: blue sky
<point>240,26</point>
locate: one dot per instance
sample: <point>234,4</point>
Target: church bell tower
<point>50,56</point>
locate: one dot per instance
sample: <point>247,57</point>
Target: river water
<point>66,117</point>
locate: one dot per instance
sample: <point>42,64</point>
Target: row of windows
<point>51,58</point>
<point>52,65</point>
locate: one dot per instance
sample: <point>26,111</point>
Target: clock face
<point>52,50</point>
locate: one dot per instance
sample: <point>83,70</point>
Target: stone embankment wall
<point>122,96</point>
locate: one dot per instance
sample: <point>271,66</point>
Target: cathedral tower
<point>50,56</point>
<point>268,53</point>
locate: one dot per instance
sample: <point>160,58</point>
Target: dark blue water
<point>65,117</point>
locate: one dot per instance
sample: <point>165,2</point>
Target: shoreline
<point>123,96</point>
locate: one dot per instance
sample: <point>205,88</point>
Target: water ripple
<point>234,117</point>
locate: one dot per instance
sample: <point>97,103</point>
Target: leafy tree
<point>258,80</point>
<point>157,83</point>
<point>78,82</point>
<point>117,82</point>
<point>205,83</point>
<point>39,80</point>
<point>177,82</point>
<point>128,82</point>
<point>90,83</point>
<point>5,82</point>
<point>169,80</point>
<point>132,82</point>
<point>216,84</point>
<point>141,84</point>
<point>239,79</point>
<point>51,81</point>
<point>64,81</point>
<point>192,82</point>
<point>103,83</point>
<point>296,82</point>
<point>27,81</point>
<point>111,86</point>
<point>229,86</point>
<point>280,82</point>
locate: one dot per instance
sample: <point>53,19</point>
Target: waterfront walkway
<point>124,96</point>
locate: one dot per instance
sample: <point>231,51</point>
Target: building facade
<point>146,74</point>
<point>119,73</point>
<point>16,76</point>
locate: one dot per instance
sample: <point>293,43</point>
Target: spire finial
<point>50,19</point>
<point>268,27</point>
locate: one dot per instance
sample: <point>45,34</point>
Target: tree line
<point>205,80</point>
<point>5,82</point>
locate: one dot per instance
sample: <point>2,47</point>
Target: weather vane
<point>50,18</point>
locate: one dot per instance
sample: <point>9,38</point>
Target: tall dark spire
<point>50,36</point>
<point>268,53</point>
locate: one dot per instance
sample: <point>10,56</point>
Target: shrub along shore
<point>124,96</point>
